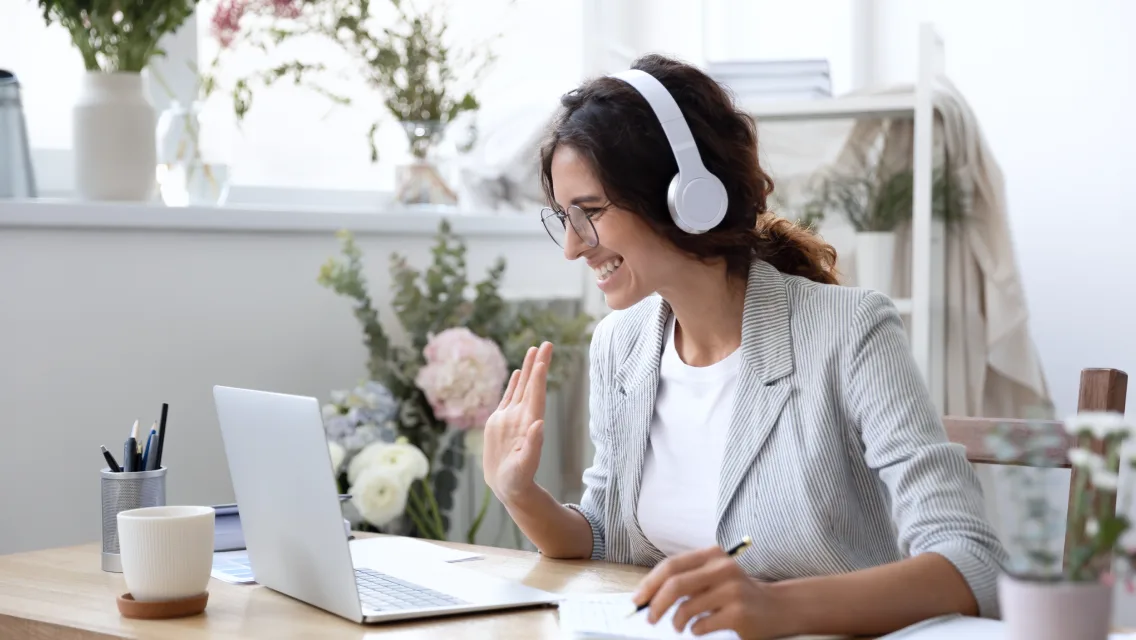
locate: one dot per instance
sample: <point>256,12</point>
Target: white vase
<point>1054,610</point>
<point>875,258</point>
<point>114,138</point>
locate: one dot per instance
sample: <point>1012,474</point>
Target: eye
<point>594,213</point>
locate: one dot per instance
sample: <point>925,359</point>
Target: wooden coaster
<point>131,608</point>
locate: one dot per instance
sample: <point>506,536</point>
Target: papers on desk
<point>368,551</point>
<point>233,566</point>
<point>605,616</point>
<point>954,627</point>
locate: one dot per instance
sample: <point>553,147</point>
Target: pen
<point>129,451</point>
<point>111,463</point>
<point>161,436</point>
<point>149,454</point>
<point>735,550</point>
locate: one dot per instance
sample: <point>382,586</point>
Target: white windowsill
<point>73,214</point>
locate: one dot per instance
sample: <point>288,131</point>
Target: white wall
<point>98,327</point>
<point>1053,84</point>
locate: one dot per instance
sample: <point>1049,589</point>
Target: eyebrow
<point>585,199</point>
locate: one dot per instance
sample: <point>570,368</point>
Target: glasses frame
<point>565,218</point>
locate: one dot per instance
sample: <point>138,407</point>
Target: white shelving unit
<point>926,306</point>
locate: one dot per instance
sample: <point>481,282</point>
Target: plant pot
<point>1054,610</point>
<point>875,258</point>
<point>420,182</point>
<point>114,138</point>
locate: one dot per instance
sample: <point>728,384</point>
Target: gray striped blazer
<point>836,461</point>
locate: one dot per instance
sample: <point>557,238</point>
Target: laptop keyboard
<point>380,592</point>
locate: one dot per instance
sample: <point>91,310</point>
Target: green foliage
<point>410,61</point>
<point>428,302</point>
<point>876,197</point>
<point>117,35</point>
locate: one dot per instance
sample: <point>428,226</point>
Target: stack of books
<point>767,80</point>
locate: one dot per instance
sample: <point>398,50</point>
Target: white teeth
<point>605,269</point>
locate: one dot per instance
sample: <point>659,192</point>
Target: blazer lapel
<point>767,358</point>
<point>637,384</point>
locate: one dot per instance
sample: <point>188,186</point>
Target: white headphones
<point>696,198</point>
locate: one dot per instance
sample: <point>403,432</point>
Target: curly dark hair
<point>613,127</point>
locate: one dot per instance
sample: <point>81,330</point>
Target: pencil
<point>161,436</point>
<point>735,550</point>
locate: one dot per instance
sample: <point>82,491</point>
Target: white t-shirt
<point>678,495</point>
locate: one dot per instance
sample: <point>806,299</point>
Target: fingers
<point>526,371</point>
<point>708,602</point>
<point>673,566</point>
<point>689,583</point>
<point>538,383</point>
<point>727,617</point>
<point>509,389</point>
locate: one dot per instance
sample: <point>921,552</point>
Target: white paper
<point>606,616</point>
<point>366,551</point>
<point>955,627</point>
<point>232,567</point>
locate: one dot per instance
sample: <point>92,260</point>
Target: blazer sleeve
<point>593,502</point>
<point>936,498</point>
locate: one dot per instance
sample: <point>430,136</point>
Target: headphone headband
<point>670,116</point>
<point>696,198</point>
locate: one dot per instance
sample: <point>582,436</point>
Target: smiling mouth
<point>604,271</point>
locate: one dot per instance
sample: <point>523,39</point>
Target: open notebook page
<point>605,616</point>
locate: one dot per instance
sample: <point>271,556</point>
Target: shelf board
<point>899,104</point>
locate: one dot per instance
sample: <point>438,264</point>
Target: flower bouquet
<point>432,391</point>
<point>1073,587</point>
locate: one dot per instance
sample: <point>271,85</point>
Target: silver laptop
<point>293,525</point>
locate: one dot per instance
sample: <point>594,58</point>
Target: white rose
<point>1092,527</point>
<point>1105,480</point>
<point>337,453</point>
<point>1099,424</point>
<point>379,494</point>
<point>403,458</point>
<point>329,411</point>
<point>1085,459</point>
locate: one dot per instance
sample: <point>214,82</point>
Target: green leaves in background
<point>117,35</point>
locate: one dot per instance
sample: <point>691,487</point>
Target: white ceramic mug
<point>167,552</point>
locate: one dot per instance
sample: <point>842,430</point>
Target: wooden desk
<point>63,594</point>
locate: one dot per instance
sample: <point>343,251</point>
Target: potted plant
<point>876,197</point>
<point>1047,594</point>
<point>425,82</point>
<point>114,119</point>
<point>433,389</point>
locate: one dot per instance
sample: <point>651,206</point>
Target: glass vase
<point>191,172</point>
<point>420,182</point>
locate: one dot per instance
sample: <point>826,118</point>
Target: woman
<point>752,396</point>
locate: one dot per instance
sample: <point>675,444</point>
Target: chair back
<point>1101,390</point>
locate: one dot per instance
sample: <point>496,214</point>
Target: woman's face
<point>631,260</point>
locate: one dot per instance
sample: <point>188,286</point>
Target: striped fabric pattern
<point>836,460</point>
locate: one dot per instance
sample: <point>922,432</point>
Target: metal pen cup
<point>122,491</point>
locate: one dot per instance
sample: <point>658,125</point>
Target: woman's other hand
<point>515,432</point>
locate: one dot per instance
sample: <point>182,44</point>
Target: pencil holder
<point>123,491</point>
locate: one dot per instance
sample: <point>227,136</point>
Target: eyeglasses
<point>556,224</point>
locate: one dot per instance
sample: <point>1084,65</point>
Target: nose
<point>574,247</point>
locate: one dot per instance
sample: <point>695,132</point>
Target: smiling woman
<point>736,390</point>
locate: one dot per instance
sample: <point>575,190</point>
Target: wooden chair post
<point>1101,390</point>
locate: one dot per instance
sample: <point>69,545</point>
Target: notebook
<point>605,616</point>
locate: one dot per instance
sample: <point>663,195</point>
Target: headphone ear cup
<point>673,203</point>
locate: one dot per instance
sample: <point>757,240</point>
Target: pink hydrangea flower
<point>285,8</point>
<point>463,377</point>
<point>226,21</point>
